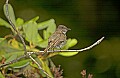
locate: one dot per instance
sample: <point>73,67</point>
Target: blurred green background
<point>89,20</point>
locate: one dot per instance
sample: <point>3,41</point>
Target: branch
<point>13,61</point>
<point>84,49</point>
<point>13,26</point>
<point>37,53</point>
<point>81,50</point>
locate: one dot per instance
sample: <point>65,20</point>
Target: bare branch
<point>13,61</point>
<point>81,50</point>
<point>13,26</point>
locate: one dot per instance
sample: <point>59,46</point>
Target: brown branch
<point>13,26</point>
<point>13,61</point>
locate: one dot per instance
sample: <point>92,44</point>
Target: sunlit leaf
<point>45,67</point>
<point>43,44</point>
<point>14,43</point>
<point>6,47</point>
<point>4,23</point>
<point>12,57</point>
<point>68,53</point>
<point>3,45</point>
<point>39,39</point>
<point>9,11</point>
<point>51,28</point>
<point>31,31</point>
<point>20,64</point>
<point>45,24</point>
<point>19,22</point>
<point>7,55</point>
<point>70,43</point>
<point>34,19</point>
<point>45,34</point>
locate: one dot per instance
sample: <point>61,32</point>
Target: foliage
<point>11,48</point>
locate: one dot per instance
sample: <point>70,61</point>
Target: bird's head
<point>63,28</point>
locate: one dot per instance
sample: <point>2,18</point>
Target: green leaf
<point>6,48</point>
<point>31,32</point>
<point>45,34</point>
<point>21,64</point>
<point>43,44</point>
<point>8,55</point>
<point>51,28</point>
<point>34,65</point>
<point>45,67</point>
<point>3,44</point>
<point>1,75</point>
<point>12,57</point>
<point>34,19</point>
<point>4,23</point>
<point>70,43</point>
<point>68,54</point>
<point>39,39</point>
<point>46,24</point>
<point>19,22</point>
<point>10,11</point>
<point>15,44</point>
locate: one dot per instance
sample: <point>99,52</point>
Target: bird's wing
<point>52,40</point>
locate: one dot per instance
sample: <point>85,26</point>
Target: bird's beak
<point>68,29</point>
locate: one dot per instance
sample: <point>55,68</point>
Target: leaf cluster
<point>11,47</point>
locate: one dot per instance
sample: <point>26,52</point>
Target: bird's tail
<point>45,51</point>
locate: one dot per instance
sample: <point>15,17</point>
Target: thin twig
<point>39,66</point>
<point>81,50</point>
<point>13,61</point>
<point>13,26</point>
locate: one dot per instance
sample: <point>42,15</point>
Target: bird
<point>57,39</point>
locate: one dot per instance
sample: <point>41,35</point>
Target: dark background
<point>89,20</point>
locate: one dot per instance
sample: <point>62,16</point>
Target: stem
<point>81,50</point>
<point>39,66</point>
<point>13,26</point>
<point>13,61</point>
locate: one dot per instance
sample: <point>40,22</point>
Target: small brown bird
<point>57,39</point>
